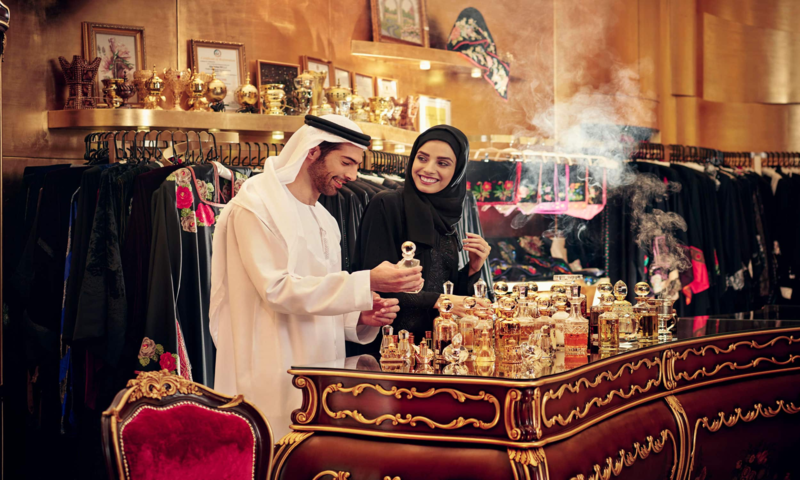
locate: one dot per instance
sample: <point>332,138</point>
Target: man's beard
<point>321,178</point>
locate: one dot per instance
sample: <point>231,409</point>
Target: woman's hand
<point>478,250</point>
<point>458,304</point>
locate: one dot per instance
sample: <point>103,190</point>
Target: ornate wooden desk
<point>720,402</point>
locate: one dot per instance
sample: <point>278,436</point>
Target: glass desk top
<point>685,329</point>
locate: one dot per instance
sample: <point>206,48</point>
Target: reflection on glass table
<point>528,364</point>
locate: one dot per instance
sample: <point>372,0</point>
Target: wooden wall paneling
<point>683,39</point>
<point>748,126</point>
<point>773,14</point>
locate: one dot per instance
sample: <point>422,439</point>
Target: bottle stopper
<point>446,306</point>
<point>457,341</point>
<point>508,304</point>
<point>641,289</point>
<point>606,298</point>
<point>470,303</point>
<point>620,290</point>
<point>501,288</point>
<point>481,289</point>
<point>575,291</point>
<point>448,288</point>
<point>605,287</point>
<point>533,287</point>
<point>408,250</point>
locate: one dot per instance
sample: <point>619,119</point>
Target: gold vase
<point>247,96</point>
<point>274,99</point>
<point>110,90</point>
<point>341,99</point>
<point>177,81</point>
<point>197,92</point>
<point>155,85</point>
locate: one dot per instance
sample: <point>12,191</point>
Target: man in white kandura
<point>279,296</point>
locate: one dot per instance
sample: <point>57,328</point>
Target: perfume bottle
<point>628,326</point>
<point>387,331</point>
<point>576,328</point>
<point>524,317</point>
<point>545,327</point>
<point>560,317</point>
<point>648,319</point>
<point>445,328</point>
<point>594,325</point>
<point>484,355</point>
<point>408,249</point>
<point>609,326</point>
<point>404,347</point>
<point>664,316</point>
<point>506,327</point>
<point>448,288</point>
<point>533,298</point>
<point>484,314</point>
<point>467,323</point>
<point>455,354</point>
<point>392,360</point>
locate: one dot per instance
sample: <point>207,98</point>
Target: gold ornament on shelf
<point>247,96</point>
<point>197,91</point>
<point>273,98</point>
<point>216,92</point>
<point>341,99</point>
<point>139,79</point>
<point>110,89</point>
<point>125,90</point>
<point>177,81</point>
<point>358,111</point>
<point>155,85</point>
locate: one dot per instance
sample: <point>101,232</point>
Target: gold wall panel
<point>749,126</point>
<point>684,46</point>
<point>749,64</point>
<point>776,14</point>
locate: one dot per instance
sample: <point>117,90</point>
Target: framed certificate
<point>317,65</point>
<point>386,87</point>
<point>343,78</point>
<point>432,111</point>
<point>365,85</point>
<point>227,59</point>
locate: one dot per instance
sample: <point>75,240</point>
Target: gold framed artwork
<point>400,21</point>
<point>432,111</point>
<point>364,84</point>
<point>227,59</point>
<point>386,87</point>
<point>121,49</point>
<point>317,65</point>
<point>343,77</point>
<point>277,72</point>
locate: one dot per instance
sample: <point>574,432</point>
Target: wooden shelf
<point>396,51</point>
<point>103,118</point>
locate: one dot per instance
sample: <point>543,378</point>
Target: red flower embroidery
<point>168,362</point>
<point>509,184</point>
<point>205,215</point>
<point>487,186</point>
<point>469,186</point>
<point>185,198</point>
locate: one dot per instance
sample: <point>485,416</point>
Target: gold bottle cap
<point>606,299</point>
<point>605,287</point>
<point>641,289</point>
<point>446,306</point>
<point>507,304</point>
<point>560,300</point>
<point>470,303</point>
<point>533,287</point>
<point>620,290</point>
<point>559,288</point>
<point>501,288</point>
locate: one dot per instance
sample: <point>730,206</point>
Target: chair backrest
<point>163,426</point>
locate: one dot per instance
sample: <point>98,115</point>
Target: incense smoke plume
<point>588,109</point>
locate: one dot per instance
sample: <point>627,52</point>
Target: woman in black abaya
<point>425,212</point>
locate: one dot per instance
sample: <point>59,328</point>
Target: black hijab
<point>442,210</point>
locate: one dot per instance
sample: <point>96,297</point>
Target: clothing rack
<point>383,162</point>
<point>248,154</point>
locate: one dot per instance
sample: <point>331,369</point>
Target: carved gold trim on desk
<point>684,435</point>
<point>335,475</point>
<point>734,418</point>
<point>512,398</point>
<point>289,442</point>
<point>598,401</point>
<point>732,365</point>
<point>614,466</point>
<point>527,459</point>
<point>307,385</point>
<point>410,394</point>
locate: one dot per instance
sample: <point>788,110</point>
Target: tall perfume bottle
<point>408,249</point>
<point>560,317</point>
<point>594,324</point>
<point>576,328</point>
<point>455,354</point>
<point>445,328</point>
<point>387,331</point>
<point>506,327</point>
<point>484,355</point>
<point>467,323</point>
<point>424,356</point>
<point>664,316</point>
<point>405,348</point>
<point>628,326</point>
<point>524,317</point>
<point>609,326</point>
<point>648,318</point>
<point>533,297</point>
<point>545,326</point>
<point>484,314</point>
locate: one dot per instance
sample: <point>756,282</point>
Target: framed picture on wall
<point>400,21</point>
<point>317,65</point>
<point>386,87</point>
<point>432,111</point>
<point>364,84</point>
<point>122,52</point>
<point>343,77</point>
<point>276,72</point>
<point>226,59</point>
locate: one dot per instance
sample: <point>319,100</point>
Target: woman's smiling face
<point>434,167</point>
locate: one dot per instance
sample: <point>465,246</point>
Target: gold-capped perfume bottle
<point>609,325</point>
<point>545,326</point>
<point>484,314</point>
<point>445,328</point>
<point>506,327</point>
<point>576,326</point>
<point>455,354</point>
<point>665,314</point>
<point>405,348</point>
<point>467,323</point>
<point>533,298</point>
<point>424,356</point>
<point>560,318</point>
<point>408,249</point>
<point>387,331</point>
<point>648,319</point>
<point>628,326</point>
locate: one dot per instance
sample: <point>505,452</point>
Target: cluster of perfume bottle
<point>527,333</point>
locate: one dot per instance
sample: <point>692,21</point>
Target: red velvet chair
<point>164,427</point>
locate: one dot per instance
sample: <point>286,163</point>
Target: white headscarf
<point>265,196</point>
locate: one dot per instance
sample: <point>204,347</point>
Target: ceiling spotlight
<point>476,73</point>
<point>424,65</point>
<point>277,135</point>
